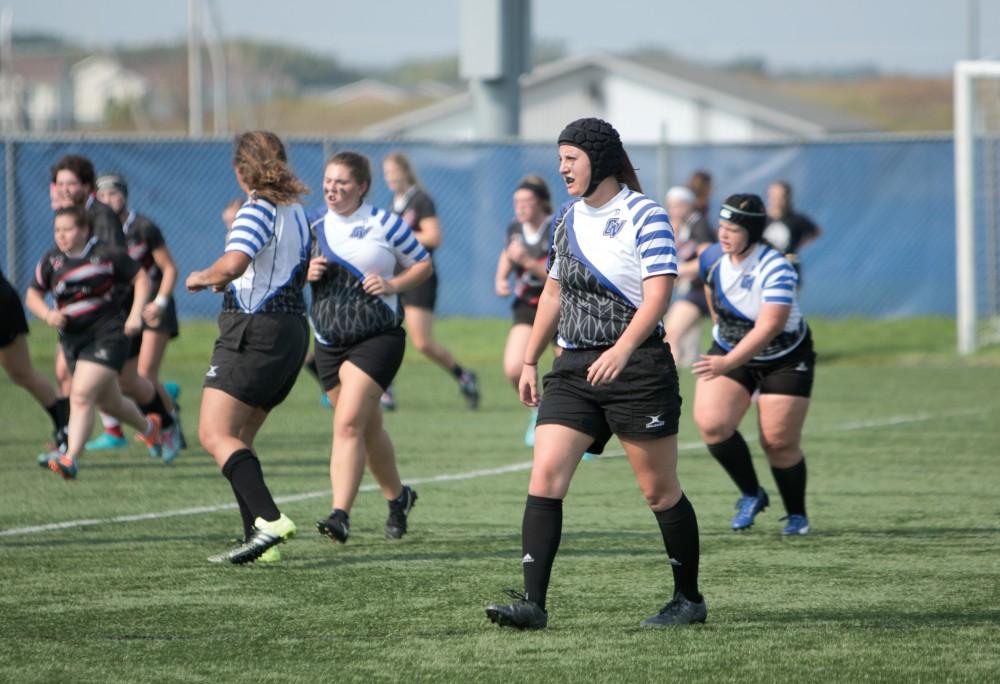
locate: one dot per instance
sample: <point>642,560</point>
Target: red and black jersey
<point>142,237</point>
<point>84,285</point>
<point>528,287</point>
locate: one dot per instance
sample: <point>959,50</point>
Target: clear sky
<point>912,36</point>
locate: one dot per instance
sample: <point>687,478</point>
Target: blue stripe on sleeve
<point>637,218</point>
<point>395,227</point>
<point>410,246</point>
<point>404,235</point>
<point>653,268</point>
<point>249,230</point>
<point>241,241</point>
<point>634,202</point>
<point>665,234</point>
<point>778,300</point>
<point>422,255</point>
<point>656,251</point>
<point>779,286</point>
<point>246,218</point>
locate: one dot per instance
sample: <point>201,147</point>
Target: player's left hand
<point>375,284</point>
<point>711,366</point>
<point>607,367</point>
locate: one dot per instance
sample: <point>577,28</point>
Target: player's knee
<point>351,427</point>
<point>779,447</point>
<point>663,498</point>
<point>712,428</point>
<point>422,344</point>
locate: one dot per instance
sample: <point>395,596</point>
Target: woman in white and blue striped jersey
<point>357,319</point>
<point>761,344</point>
<point>263,333</point>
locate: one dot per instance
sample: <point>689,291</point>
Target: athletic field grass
<point>899,580</point>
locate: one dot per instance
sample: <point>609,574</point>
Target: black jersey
<point>414,207</point>
<point>528,287</point>
<point>84,285</point>
<point>790,231</point>
<point>142,237</point>
<point>106,225</point>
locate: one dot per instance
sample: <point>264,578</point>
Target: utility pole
<point>194,69</point>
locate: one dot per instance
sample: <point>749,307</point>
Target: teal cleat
<point>105,442</point>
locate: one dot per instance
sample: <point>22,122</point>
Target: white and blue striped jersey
<point>739,291</point>
<point>276,238</point>
<point>601,256</point>
<point>369,241</point>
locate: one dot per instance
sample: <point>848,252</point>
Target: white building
<point>645,98</point>
<point>99,81</point>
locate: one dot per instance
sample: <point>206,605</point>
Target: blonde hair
<point>261,161</point>
<point>403,162</point>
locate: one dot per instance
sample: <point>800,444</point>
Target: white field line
<point>446,477</point>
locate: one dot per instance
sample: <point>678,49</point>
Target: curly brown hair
<point>261,161</point>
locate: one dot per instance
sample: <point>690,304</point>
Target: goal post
<point>977,120</point>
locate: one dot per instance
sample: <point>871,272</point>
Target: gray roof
<point>746,95</point>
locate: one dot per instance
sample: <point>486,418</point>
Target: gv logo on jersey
<point>747,281</point>
<point>359,232</point>
<point>613,227</point>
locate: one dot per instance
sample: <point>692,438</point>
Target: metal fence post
<point>10,188</point>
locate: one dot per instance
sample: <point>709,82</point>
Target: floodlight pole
<point>495,49</point>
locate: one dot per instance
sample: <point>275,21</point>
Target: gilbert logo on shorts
<point>211,372</point>
<point>527,559</point>
<point>101,354</point>
<point>613,227</point>
<point>803,367</point>
<point>654,422</point>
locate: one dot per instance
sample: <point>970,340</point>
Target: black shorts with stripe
<point>791,374</point>
<point>257,357</point>
<point>12,319</point>
<point>379,356</point>
<point>105,344</point>
<point>642,403</point>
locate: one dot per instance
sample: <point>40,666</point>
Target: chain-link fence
<point>886,207</point>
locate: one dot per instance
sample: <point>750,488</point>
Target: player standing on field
<point>761,342</point>
<point>416,207</point>
<point>263,332</point>
<point>524,256</point>
<point>359,335</point>
<point>611,274</point>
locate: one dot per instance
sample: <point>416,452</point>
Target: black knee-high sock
<point>245,513</point>
<point>244,474</point>
<point>792,485</point>
<point>457,371</point>
<point>541,531</point>
<point>157,406</point>
<point>734,455</point>
<point>59,412</point>
<point>679,527</point>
